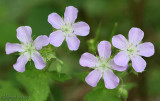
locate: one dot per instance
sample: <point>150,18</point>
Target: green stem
<point>98,31</point>
<point>49,64</point>
<point>114,30</point>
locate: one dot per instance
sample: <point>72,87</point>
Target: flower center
<point>29,48</point>
<point>132,49</point>
<point>103,64</point>
<point>67,29</point>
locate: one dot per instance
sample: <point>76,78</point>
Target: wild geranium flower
<point>67,28</point>
<point>132,49</point>
<point>28,49</point>
<point>102,65</point>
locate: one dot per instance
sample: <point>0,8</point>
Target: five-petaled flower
<point>67,28</point>
<point>28,49</point>
<point>102,65</point>
<point>132,49</point>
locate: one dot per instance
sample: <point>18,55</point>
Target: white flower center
<point>132,49</point>
<point>67,29</point>
<point>103,64</point>
<point>29,48</point>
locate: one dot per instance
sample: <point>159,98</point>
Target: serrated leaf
<point>36,84</point>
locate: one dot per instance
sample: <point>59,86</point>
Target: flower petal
<point>11,48</point>
<point>119,41</point>
<point>41,41</point>
<point>117,67</point>
<point>56,38</point>
<point>55,20</point>
<point>70,14</point>
<point>38,60</point>
<point>121,59</point>
<point>138,63</point>
<point>110,79</point>
<point>21,62</point>
<point>135,35</point>
<point>93,77</point>
<point>146,49</point>
<point>73,42</point>
<point>81,28</point>
<point>24,34</point>
<point>104,49</point>
<point>88,60</point>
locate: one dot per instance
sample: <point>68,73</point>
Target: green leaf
<point>9,92</point>
<point>36,84</point>
<point>102,94</point>
<point>99,93</point>
<point>61,77</point>
<point>81,75</point>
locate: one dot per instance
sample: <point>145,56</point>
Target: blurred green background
<point>144,14</point>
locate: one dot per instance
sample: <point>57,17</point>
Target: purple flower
<point>67,28</point>
<point>132,49</point>
<point>102,65</point>
<point>28,49</point>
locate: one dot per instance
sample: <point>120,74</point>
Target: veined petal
<point>24,34</point>
<point>55,20</point>
<point>121,59</point>
<point>56,38</point>
<point>11,48</point>
<point>93,77</point>
<point>146,49</point>
<point>119,41</point>
<point>135,35</point>
<point>38,60</point>
<point>117,67</point>
<point>104,49</point>
<point>88,60</point>
<point>110,79</point>
<point>70,14</point>
<point>73,42</point>
<point>138,63</point>
<point>41,41</point>
<point>81,28</point>
<point>21,62</point>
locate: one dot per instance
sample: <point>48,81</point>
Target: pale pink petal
<point>11,48</point>
<point>73,42</point>
<point>119,41</point>
<point>81,28</point>
<point>110,79</point>
<point>104,49</point>
<point>138,63</point>
<point>146,49</point>
<point>21,62</point>
<point>121,59</point>
<point>56,38</point>
<point>117,67</point>
<point>24,34</point>
<point>93,77</point>
<point>38,60</point>
<point>88,60</point>
<point>41,41</point>
<point>70,14</point>
<point>55,20</point>
<point>135,35</point>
